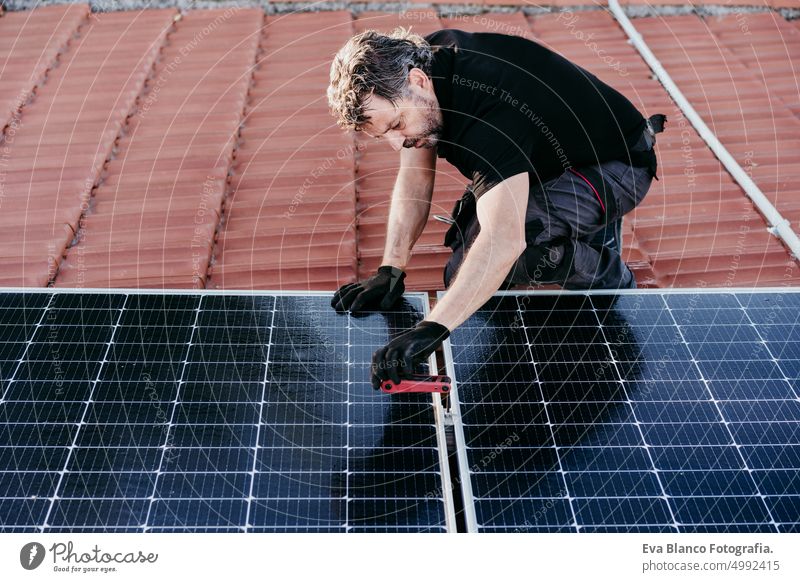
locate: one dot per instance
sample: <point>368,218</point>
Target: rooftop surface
<point>162,148</point>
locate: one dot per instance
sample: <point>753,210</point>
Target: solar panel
<point>646,411</point>
<point>138,411</point>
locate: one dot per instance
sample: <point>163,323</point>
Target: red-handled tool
<point>418,383</point>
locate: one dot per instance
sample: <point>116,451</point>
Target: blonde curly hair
<point>373,63</point>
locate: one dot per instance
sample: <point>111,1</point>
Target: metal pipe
<point>778,225</point>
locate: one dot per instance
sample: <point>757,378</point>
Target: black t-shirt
<point>510,105</point>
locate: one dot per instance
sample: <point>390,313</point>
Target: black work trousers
<point>573,229</point>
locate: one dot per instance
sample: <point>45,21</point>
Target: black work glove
<point>397,358</point>
<point>380,291</point>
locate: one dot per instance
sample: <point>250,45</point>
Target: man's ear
<point>417,77</point>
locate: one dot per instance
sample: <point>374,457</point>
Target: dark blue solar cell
<point>760,411</point>
<point>40,434</point>
<point>612,484</point>
<point>17,333</point>
<point>709,317</point>
<point>391,512</point>
<point>198,512</point>
<point>41,412</point>
<point>496,373</point>
<point>722,510</point>
<point>313,484</point>
<point>566,352</point>
<point>738,370</point>
<point>516,485</point>
<point>145,317</point>
<point>774,316</point>
<point>147,352</point>
<point>28,300</point>
<point>216,413</point>
<point>157,392</point>
<point>257,320</point>
<point>666,390</point>
<point>204,485</point>
<point>303,435</point>
<point>213,435</point>
<point>590,412</point>
<point>238,303</point>
<point>293,513</point>
<point>692,483</point>
<point>392,486</point>
<point>525,435</point>
<point>164,302</point>
<point>583,391</point>
<point>520,413</point>
<point>30,485</point>
<point>790,368</point>
<point>121,485</point>
<point>629,529</point>
<point>605,459</point>
<point>750,389</point>
<point>779,300</point>
<point>784,350</point>
<point>716,351</point>
<point>59,351</point>
<point>523,512</point>
<point>777,481</point>
<point>293,459</point>
<point>680,434</point>
<point>779,333</point>
<point>502,392</point>
<point>222,391</point>
<point>662,370</point>
<point>633,511</point>
<point>98,512</point>
<point>690,301</point>
<point>115,459</point>
<point>23,512</point>
<point>597,435</point>
<point>720,333</point>
<point>765,433</point>
<point>33,458</point>
<point>564,334</point>
<point>784,509</point>
<point>696,458</point>
<point>676,412</point>
<point>223,372</point>
<point>772,457</point>
<point>509,460</point>
<point>121,435</point>
<point>57,371</point>
<point>392,435</point>
<point>200,460</point>
<point>141,371</point>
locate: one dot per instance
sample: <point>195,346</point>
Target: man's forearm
<point>483,271</point>
<point>411,203</point>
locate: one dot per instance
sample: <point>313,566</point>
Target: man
<point>555,158</point>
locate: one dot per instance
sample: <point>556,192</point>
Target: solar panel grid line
<point>722,416</point>
<point>69,456</point>
<point>676,413</point>
<point>21,358</point>
<point>113,483</point>
<point>637,423</point>
<point>566,490</point>
<point>250,497</point>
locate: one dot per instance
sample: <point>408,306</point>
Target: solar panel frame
<point>41,299</point>
<point>465,476</point>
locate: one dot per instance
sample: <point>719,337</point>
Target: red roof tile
<point>169,176</point>
<point>29,44</point>
<point>233,178</point>
<point>289,219</point>
<point>73,121</point>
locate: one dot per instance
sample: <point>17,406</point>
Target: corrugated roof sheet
<point>200,152</point>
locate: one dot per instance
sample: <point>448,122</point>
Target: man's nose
<point>395,140</point>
